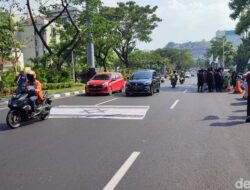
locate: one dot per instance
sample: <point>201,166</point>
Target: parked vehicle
<point>143,82</point>
<point>105,83</point>
<point>21,109</point>
<point>188,75</point>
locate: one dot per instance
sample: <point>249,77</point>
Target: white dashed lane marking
<point>121,172</point>
<point>174,104</point>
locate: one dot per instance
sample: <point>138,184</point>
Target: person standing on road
<point>221,79</point>
<point>217,80</point>
<point>210,80</point>
<point>247,77</point>
<point>200,78</point>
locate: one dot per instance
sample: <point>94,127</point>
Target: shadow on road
<point>232,121</point>
<point>4,127</point>
<point>133,95</point>
<point>239,104</point>
<point>240,99</point>
<point>236,118</point>
<point>211,117</point>
<point>227,124</point>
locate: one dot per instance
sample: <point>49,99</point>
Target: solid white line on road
<point>121,172</point>
<point>106,102</point>
<point>175,103</point>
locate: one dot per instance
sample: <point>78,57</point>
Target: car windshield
<point>101,77</point>
<point>142,75</point>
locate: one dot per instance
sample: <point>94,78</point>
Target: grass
<point>53,91</point>
<point>65,89</point>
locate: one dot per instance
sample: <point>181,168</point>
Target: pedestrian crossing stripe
<point>100,112</point>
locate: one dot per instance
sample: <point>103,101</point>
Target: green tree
<point>148,60</point>
<point>5,37</point>
<point>243,55</point>
<point>241,10</point>
<point>103,36</point>
<point>216,50</point>
<point>10,46</point>
<point>135,23</point>
<point>181,59</point>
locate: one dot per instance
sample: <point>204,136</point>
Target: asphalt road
<point>184,140</point>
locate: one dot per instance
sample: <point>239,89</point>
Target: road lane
<point>201,144</point>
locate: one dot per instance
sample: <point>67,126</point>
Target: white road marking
<point>100,112</point>
<point>106,101</point>
<point>57,95</point>
<point>175,103</point>
<point>4,108</point>
<point>121,172</point>
<point>67,94</point>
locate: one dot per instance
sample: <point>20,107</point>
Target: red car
<point>105,83</point>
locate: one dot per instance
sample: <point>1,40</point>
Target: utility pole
<point>73,67</point>
<point>90,45</point>
<point>223,56</point>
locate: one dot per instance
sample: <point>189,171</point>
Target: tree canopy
<point>241,10</point>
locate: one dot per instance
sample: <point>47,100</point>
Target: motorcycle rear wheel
<point>13,119</point>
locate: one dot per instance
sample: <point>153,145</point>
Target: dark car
<point>143,82</point>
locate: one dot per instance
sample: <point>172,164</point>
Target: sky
<point>185,20</point>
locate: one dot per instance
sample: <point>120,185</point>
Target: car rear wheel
<point>151,91</point>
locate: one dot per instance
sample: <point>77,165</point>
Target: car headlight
<point>105,84</point>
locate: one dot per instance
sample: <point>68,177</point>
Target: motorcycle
<point>182,80</point>
<point>173,82</point>
<point>21,109</point>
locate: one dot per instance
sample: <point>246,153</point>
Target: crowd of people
<point>215,79</point>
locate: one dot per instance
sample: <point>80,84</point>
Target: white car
<point>188,75</point>
<point>162,79</point>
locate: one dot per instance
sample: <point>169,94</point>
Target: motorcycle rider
<point>20,80</point>
<point>34,87</point>
<point>182,77</point>
<point>174,76</point>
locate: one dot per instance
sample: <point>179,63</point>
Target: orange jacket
<point>38,90</point>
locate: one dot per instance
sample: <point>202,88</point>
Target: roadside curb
<point>4,101</point>
<point>67,94</point>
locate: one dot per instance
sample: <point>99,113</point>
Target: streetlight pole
<point>223,56</point>
<point>73,67</point>
<point>90,45</point>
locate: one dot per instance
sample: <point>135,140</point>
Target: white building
<point>231,37</point>
<point>33,46</point>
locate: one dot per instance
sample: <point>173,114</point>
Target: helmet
<point>31,75</point>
